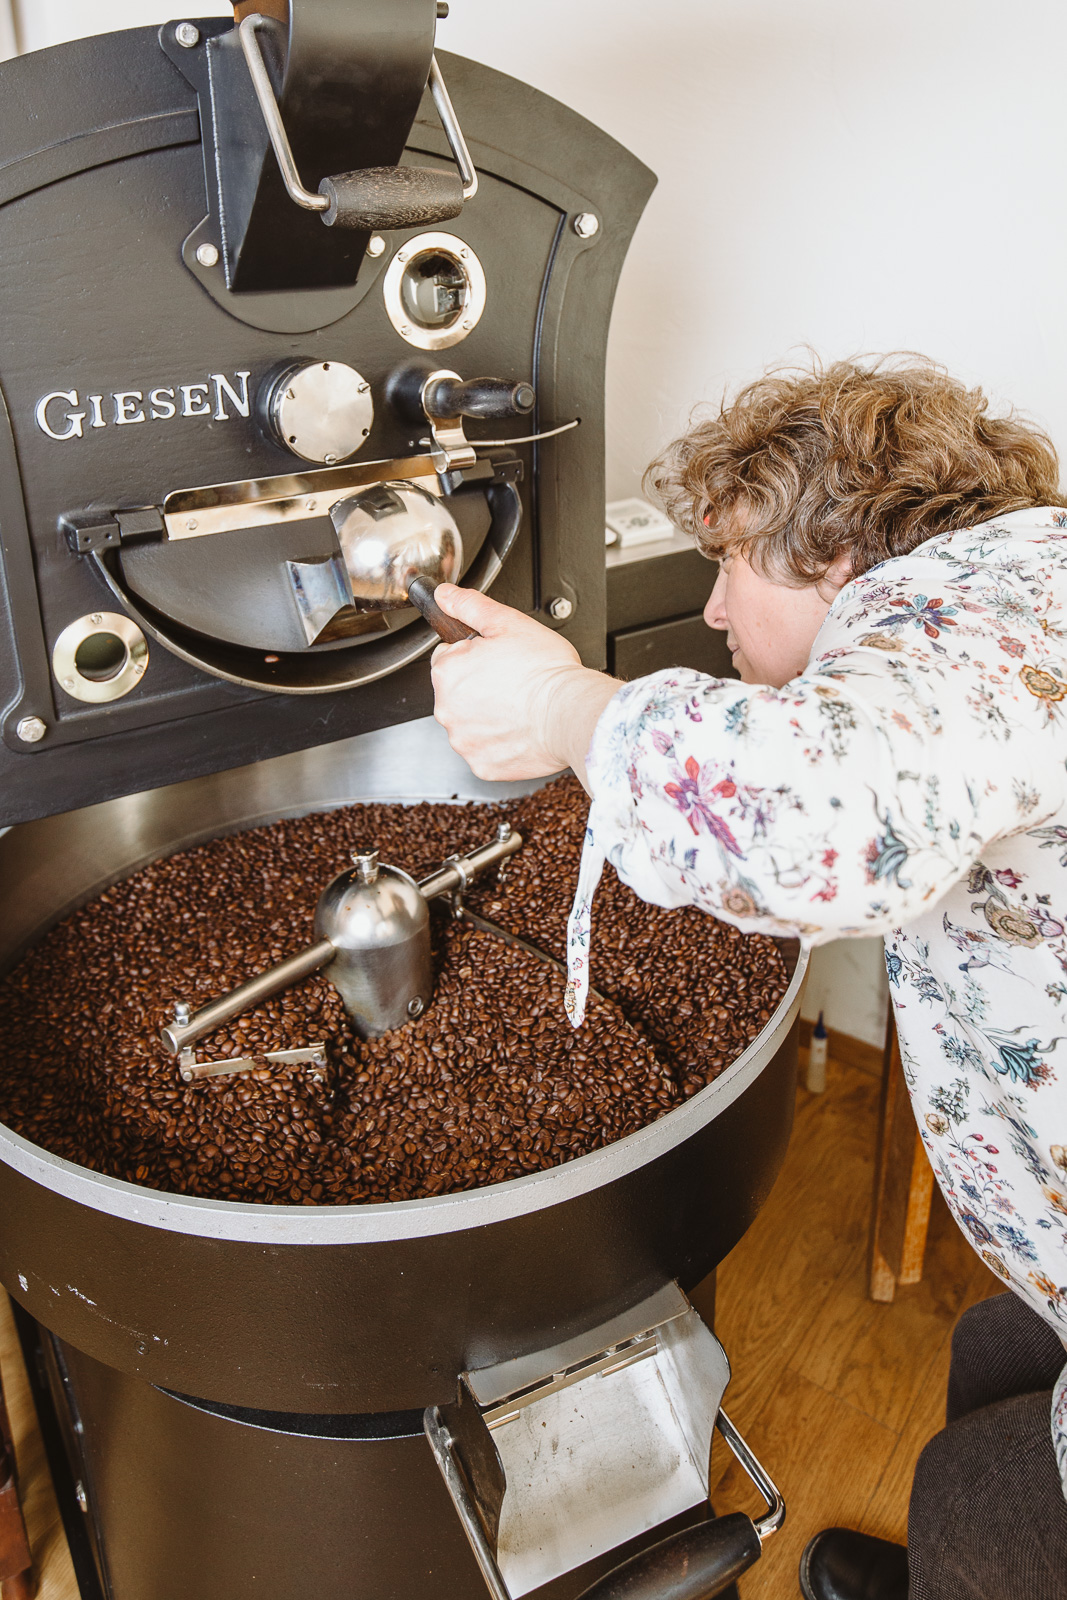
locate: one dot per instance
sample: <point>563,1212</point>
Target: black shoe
<point>841,1565</point>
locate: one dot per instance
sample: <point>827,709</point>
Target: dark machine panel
<point>141,348</point>
<point>681,642</point>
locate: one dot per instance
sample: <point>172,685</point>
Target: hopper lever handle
<point>371,197</point>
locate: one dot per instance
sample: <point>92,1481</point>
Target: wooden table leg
<point>16,1571</point>
<point>903,1184</point>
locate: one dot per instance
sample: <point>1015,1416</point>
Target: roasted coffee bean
<point>489,1084</point>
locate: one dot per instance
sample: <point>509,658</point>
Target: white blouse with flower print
<point>911,782</point>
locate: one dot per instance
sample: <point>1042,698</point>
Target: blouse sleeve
<point>853,798</point>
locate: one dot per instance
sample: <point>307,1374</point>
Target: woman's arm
<point>846,802</point>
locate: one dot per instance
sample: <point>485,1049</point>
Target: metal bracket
<point>190,1070</point>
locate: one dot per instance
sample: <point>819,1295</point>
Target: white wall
<point>45,22</point>
<point>8,38</point>
<point>856,177</point>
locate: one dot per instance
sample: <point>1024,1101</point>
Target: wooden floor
<point>836,1395</point>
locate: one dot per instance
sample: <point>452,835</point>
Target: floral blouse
<point>911,782</point>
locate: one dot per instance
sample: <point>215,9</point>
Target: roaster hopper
<point>259,285</point>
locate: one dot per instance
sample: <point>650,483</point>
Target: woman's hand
<point>516,702</point>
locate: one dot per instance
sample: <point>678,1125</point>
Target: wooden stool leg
<point>16,1573</point>
<point>917,1216</point>
<point>903,1185</point>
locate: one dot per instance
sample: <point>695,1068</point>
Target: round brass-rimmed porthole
<point>100,657</point>
<point>434,291</point>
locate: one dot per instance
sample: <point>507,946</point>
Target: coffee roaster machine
<point>264,287</point>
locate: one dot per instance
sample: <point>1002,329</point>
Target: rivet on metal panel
<point>207,255</point>
<point>187,35</point>
<point>375,246</point>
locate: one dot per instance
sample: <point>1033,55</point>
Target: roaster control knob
<point>320,410</point>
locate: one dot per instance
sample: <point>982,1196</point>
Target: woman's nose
<point>715,610</point>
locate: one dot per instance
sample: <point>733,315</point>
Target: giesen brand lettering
<point>58,414</point>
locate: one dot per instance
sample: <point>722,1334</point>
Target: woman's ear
<point>837,574</point>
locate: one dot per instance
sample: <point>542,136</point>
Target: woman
<point>893,585</point>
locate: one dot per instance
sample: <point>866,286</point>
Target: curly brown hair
<point>868,458</point>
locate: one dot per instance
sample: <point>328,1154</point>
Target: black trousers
<point>987,1518</point>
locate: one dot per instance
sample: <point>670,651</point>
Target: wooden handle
<point>266,8</point>
<point>421,595</point>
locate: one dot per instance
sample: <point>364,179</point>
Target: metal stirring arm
<point>452,877</point>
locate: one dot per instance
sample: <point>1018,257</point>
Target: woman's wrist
<point>575,700</point>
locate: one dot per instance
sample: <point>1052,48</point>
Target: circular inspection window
<point>100,657</point>
<point>434,291</point>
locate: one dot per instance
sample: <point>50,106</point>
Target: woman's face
<point>770,628</point>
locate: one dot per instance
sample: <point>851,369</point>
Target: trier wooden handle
<point>265,8</point>
<point>421,595</point>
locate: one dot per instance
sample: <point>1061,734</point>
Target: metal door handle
<point>373,197</point>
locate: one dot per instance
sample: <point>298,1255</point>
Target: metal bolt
<point>405,329</point>
<point>192,524</point>
<point>503,831</point>
<point>181,1012</point>
<point>376,246</point>
<point>331,461</point>
<point>401,255</point>
<point>68,683</point>
<point>96,618</point>
<point>310,505</point>
<point>468,325</point>
<point>560,608</point>
<point>207,255</point>
<point>364,388</point>
<point>81,1497</point>
<point>416,1007</point>
<point>586,224</point>
<point>187,35</point>
<point>366,865</point>
<point>442,10</point>
<point>31,730</point>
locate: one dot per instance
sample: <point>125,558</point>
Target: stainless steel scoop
<point>398,542</point>
<point>373,927</point>
<point>392,533</point>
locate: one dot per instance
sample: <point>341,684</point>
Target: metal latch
<point>559,1458</point>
